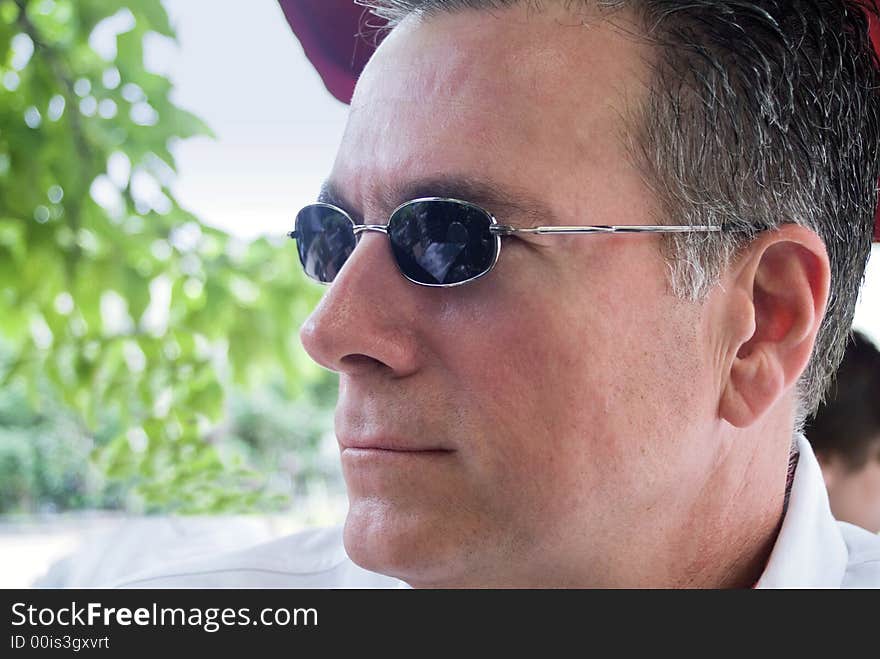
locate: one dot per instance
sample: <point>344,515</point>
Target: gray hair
<point>760,113</point>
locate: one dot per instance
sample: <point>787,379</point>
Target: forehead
<point>513,96</point>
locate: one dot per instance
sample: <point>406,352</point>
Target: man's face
<point>521,426</point>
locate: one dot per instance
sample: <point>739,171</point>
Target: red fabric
<point>329,31</point>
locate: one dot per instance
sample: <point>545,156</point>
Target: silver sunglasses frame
<point>501,230</point>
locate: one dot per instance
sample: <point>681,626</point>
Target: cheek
<point>856,498</point>
<point>516,379</point>
<point>593,338</point>
<point>567,385</point>
<point>870,494</point>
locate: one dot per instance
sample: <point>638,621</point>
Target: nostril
<point>361,362</point>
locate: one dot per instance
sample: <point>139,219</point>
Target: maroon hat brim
<point>337,36</point>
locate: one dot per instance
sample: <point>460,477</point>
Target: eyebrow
<point>504,203</point>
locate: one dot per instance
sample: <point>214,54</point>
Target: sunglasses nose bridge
<point>361,228</point>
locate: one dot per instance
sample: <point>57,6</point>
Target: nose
<point>367,319</point>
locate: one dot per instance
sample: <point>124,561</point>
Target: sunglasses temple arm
<point>503,230</point>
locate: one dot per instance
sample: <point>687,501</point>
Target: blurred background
<point>152,157</point>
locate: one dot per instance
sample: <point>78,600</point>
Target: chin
<point>419,549</point>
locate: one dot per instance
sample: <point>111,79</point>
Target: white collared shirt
<point>812,550</point>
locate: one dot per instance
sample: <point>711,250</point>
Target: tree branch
<point>65,80</point>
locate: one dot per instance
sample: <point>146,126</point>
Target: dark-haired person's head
<point>684,191</point>
<point>845,434</point>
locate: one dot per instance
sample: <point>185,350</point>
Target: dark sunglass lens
<point>324,239</point>
<point>442,242</point>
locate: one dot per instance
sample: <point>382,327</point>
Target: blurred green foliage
<point>125,321</point>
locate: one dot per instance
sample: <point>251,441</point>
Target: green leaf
<point>155,16</point>
<point>12,238</point>
<point>130,54</point>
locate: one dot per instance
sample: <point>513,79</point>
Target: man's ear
<point>777,292</point>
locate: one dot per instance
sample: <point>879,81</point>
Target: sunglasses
<point>436,241</point>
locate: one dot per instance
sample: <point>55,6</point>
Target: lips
<point>389,444</point>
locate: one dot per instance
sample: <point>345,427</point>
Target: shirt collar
<point>810,551</point>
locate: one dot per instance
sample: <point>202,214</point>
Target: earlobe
<point>781,282</point>
<point>754,382</point>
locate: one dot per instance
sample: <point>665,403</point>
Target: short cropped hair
<point>760,113</point>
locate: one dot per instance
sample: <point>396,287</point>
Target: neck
<point>740,509</point>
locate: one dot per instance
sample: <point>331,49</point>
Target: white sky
<point>868,309</point>
<point>239,67</point>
